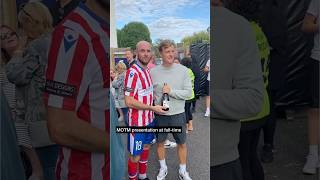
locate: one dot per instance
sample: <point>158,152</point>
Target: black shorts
<point>207,88</point>
<point>314,83</point>
<point>169,121</point>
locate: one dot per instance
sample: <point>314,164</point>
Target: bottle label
<point>166,104</point>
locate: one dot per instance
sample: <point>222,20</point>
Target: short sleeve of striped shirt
<point>68,70</point>
<point>130,83</point>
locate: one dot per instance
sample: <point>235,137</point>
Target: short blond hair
<point>121,67</point>
<point>165,44</point>
<point>39,13</point>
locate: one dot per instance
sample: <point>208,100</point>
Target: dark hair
<point>250,9</point>
<point>187,62</point>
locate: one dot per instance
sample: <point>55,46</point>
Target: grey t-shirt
<point>176,76</point>
<point>236,82</point>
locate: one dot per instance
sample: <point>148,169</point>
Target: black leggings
<point>187,110</point>
<point>270,125</point>
<point>250,163</point>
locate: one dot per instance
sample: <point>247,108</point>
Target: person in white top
<point>311,26</point>
<point>207,70</point>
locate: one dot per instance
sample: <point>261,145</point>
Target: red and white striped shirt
<point>138,84</point>
<point>77,79</point>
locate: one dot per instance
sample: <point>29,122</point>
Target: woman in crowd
<point>118,84</point>
<point>112,76</point>
<point>187,63</point>
<point>311,26</point>
<point>26,70</point>
<point>10,43</point>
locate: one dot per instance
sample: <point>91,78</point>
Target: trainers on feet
<point>168,144</point>
<point>162,173</point>
<point>184,176</point>
<point>120,119</point>
<point>311,165</point>
<point>207,114</point>
<point>153,141</point>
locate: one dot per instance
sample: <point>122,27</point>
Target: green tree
<point>119,37</point>
<point>202,36</point>
<point>132,33</point>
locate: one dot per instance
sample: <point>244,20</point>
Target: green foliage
<point>132,33</point>
<point>202,36</point>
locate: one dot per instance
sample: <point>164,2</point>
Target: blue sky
<point>166,19</point>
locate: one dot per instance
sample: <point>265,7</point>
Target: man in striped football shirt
<point>77,89</point>
<point>139,99</point>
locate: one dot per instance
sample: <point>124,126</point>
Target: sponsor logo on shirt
<point>60,89</point>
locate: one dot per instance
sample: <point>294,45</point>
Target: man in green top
<point>236,88</point>
<point>252,168</point>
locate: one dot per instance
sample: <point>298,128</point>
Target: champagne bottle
<point>165,101</point>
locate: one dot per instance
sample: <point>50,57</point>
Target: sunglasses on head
<point>21,8</point>
<point>7,35</point>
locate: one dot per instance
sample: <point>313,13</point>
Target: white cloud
<point>137,10</point>
<point>175,28</point>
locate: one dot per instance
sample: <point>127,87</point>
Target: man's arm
<point>206,69</point>
<point>135,104</point>
<point>185,93</point>
<point>66,129</point>
<point>310,24</point>
<point>245,99</point>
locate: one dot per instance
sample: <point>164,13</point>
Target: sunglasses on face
<point>7,35</point>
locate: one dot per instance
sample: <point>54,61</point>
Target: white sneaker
<point>207,114</point>
<point>311,165</point>
<point>153,141</point>
<point>120,119</point>
<point>162,173</point>
<point>184,176</point>
<point>168,144</point>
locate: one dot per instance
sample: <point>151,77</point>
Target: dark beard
<point>143,63</point>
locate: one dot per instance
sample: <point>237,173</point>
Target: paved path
<point>290,141</point>
<point>291,148</point>
<point>198,151</point>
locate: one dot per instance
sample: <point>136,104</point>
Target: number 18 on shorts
<point>136,141</point>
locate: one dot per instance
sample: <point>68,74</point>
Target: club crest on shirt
<point>131,74</point>
<point>70,37</point>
